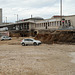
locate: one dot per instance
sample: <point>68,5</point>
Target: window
<point>28,40</point>
<point>69,22</point>
<point>55,23</point>
<point>7,37</point>
<point>40,24</point>
<point>48,23</point>
<point>27,26</point>
<point>60,22</point>
<point>52,24</point>
<point>66,21</point>
<point>3,36</point>
<point>44,24</point>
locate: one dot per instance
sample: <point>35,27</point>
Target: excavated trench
<point>57,37</point>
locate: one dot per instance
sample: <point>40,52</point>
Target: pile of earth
<point>57,37</point>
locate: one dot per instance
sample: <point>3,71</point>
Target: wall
<point>72,19</point>
<point>4,33</point>
<point>54,23</point>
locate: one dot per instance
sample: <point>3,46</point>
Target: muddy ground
<point>46,59</point>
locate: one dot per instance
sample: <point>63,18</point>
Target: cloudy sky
<point>37,8</point>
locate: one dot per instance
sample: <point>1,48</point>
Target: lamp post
<point>61,7</point>
<point>61,11</point>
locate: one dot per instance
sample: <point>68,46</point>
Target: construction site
<point>45,59</point>
<point>58,36</point>
<point>48,31</point>
<point>56,54</point>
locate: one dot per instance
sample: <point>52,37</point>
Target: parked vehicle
<point>5,38</point>
<point>29,41</point>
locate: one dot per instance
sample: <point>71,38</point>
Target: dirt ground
<point>45,59</point>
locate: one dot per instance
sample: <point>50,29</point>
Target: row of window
<point>19,27</point>
<point>47,24</point>
<point>56,23</point>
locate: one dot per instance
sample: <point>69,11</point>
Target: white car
<point>5,38</point>
<point>29,41</point>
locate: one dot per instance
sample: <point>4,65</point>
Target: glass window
<point>48,23</point>
<point>60,23</point>
<point>55,23</point>
<point>27,26</point>
<point>40,24</point>
<point>28,40</point>
<point>44,24</point>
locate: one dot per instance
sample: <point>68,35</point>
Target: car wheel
<point>35,44</point>
<point>23,44</point>
<point>38,44</point>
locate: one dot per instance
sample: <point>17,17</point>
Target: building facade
<point>35,24</point>
<point>55,22</point>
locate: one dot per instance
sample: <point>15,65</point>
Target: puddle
<point>72,54</point>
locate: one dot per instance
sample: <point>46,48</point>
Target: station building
<point>55,22</point>
<point>33,25</point>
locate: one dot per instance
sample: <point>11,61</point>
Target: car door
<point>26,41</point>
<point>30,41</point>
<point>3,37</point>
<point>6,37</point>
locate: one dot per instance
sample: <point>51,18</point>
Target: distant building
<point>34,24</point>
<point>55,22</point>
<point>0,16</point>
<point>33,19</point>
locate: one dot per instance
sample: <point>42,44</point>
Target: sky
<point>37,8</point>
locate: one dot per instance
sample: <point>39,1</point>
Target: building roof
<point>33,18</point>
<point>5,25</point>
<point>58,16</point>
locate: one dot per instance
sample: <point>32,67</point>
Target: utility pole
<point>61,11</point>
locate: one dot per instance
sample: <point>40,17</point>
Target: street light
<point>61,7</point>
<point>61,11</point>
